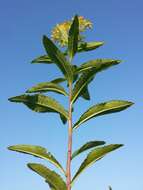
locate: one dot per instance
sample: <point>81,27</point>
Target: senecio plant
<point>69,36</point>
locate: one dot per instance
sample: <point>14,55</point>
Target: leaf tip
<point>110,188</point>
<point>119,61</point>
<point>130,103</point>
<point>31,166</point>
<point>33,61</point>
<point>10,147</point>
<point>12,99</point>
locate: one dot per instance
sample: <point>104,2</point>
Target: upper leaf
<point>89,71</point>
<point>88,46</point>
<point>41,103</point>
<point>52,178</point>
<point>87,146</point>
<point>58,80</point>
<point>82,83</point>
<point>94,156</point>
<point>58,57</point>
<point>42,59</point>
<point>73,37</point>
<point>102,109</point>
<point>99,64</point>
<point>47,86</point>
<point>85,93</point>
<point>37,151</point>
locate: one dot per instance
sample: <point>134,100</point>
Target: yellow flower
<point>60,31</point>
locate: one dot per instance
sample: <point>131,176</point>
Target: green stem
<point>68,170</point>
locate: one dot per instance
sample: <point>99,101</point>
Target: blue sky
<point>119,24</point>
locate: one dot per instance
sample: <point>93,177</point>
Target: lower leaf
<point>51,177</point>
<point>94,156</point>
<point>37,151</point>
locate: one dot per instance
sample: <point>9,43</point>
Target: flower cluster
<point>60,31</point>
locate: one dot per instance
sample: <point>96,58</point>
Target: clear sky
<point>119,24</point>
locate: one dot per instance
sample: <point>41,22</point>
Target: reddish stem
<point>68,170</point>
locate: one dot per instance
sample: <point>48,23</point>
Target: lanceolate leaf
<point>40,103</point>
<point>88,46</point>
<point>58,80</point>
<point>75,74</point>
<point>81,83</point>
<point>102,109</point>
<point>88,145</point>
<point>58,57</point>
<point>42,59</point>
<point>64,120</point>
<point>73,37</point>
<point>85,93</point>
<point>81,48</point>
<point>99,64</point>
<point>95,155</point>
<point>51,177</point>
<point>47,86</point>
<point>92,68</point>
<point>37,151</point>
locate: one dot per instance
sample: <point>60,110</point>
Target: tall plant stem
<point>68,169</point>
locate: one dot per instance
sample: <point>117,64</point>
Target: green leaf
<point>40,103</point>
<point>94,156</point>
<point>64,120</point>
<point>81,48</point>
<point>102,109</point>
<point>47,86</point>
<point>90,69</point>
<point>73,37</point>
<point>52,178</point>
<point>75,74</point>
<point>87,146</point>
<point>82,83</point>
<point>98,64</point>
<point>85,93</point>
<point>42,59</point>
<point>88,46</point>
<point>37,151</point>
<point>58,57</point>
<point>58,80</point>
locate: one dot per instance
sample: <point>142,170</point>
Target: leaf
<point>58,80</point>
<point>37,151</point>
<point>102,109</point>
<point>73,37</point>
<point>87,146</point>
<point>81,48</point>
<point>40,103</point>
<point>81,83</point>
<point>89,74</point>
<point>85,93</point>
<point>88,46</point>
<point>94,156</point>
<point>64,120</point>
<point>58,57</point>
<point>47,86</point>
<point>99,64</point>
<point>52,178</point>
<point>75,74</point>
<point>42,59</point>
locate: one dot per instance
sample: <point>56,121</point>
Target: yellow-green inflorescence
<point>60,31</point>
